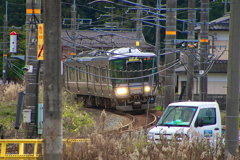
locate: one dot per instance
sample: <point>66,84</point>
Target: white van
<point>188,118</point>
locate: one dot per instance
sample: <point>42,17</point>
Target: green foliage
<point>16,12</point>
<point>159,108</point>
<point>217,10</point>
<point>7,116</point>
<point>75,120</point>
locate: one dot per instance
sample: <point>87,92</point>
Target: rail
<point>5,143</point>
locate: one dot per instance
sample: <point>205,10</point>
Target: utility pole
<point>33,14</point>
<point>232,111</point>
<point>191,36</point>
<point>73,27</point>
<point>139,25</point>
<point>225,7</point>
<point>158,38</point>
<point>170,47</point>
<point>5,34</point>
<point>204,49</point>
<point>52,125</point>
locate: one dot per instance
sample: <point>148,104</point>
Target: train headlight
<point>147,89</point>
<point>122,91</point>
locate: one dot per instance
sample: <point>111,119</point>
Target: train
<point>125,79</point>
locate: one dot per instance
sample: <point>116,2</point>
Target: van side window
<point>207,116</point>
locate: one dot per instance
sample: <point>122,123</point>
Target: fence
<point>15,148</point>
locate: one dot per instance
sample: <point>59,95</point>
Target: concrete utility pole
<point>139,24</point>
<point>225,6</point>
<point>204,49</point>
<point>170,47</point>
<point>233,76</point>
<point>33,14</point>
<point>191,36</point>
<point>52,125</point>
<point>5,35</point>
<point>73,27</point>
<point>158,38</point>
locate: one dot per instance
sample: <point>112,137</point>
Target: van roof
<point>194,103</point>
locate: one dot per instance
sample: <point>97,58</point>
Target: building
<point>103,40</point>
<point>217,75</point>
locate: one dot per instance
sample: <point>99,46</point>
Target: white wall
<point>217,83</point>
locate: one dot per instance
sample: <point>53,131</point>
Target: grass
<point>75,120</point>
<point>128,147</point>
<point>137,148</point>
<point>8,101</point>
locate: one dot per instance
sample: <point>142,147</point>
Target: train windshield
<point>118,68</point>
<point>134,71</point>
<point>131,70</point>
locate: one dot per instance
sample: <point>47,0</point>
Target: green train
<point>125,79</point>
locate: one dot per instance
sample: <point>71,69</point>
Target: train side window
<point>66,72</point>
<point>71,74</point>
<point>90,73</point>
<point>84,72</point>
<point>79,74</point>
<point>96,74</point>
<point>103,71</point>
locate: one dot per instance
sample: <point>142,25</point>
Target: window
<point>103,75</point>
<point>79,74</point>
<point>207,116</point>
<point>118,68</point>
<point>177,116</point>
<point>71,73</point>
<point>135,71</point>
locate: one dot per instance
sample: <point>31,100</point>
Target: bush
<point>76,122</point>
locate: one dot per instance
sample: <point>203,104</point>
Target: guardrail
<point>21,145</point>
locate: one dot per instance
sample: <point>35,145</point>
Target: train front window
<point>118,70</point>
<point>134,69</point>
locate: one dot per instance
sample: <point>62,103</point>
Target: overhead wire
<point>11,66</point>
<point>167,66</point>
<point>206,71</point>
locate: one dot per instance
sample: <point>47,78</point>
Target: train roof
<point>136,54</point>
<point>85,59</point>
<point>112,57</point>
<point>112,54</point>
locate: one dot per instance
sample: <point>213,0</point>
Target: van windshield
<point>177,116</point>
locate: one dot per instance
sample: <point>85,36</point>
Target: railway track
<point>136,122</point>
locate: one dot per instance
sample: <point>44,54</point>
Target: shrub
<point>76,122</point>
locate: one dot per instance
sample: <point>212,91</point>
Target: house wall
<point>217,83</point>
<point>219,43</point>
